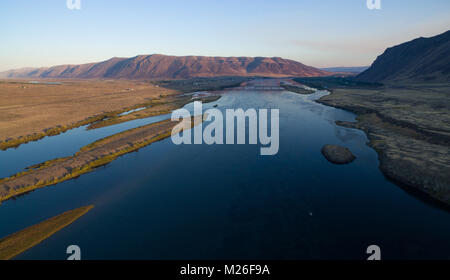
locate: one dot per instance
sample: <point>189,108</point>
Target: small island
<point>16,243</point>
<point>337,154</point>
<point>297,88</point>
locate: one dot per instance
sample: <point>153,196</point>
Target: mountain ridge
<point>158,66</point>
<point>419,60</point>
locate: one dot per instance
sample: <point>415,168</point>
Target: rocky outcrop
<point>337,154</point>
<point>412,141</point>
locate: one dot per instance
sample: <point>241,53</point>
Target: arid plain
<point>27,108</point>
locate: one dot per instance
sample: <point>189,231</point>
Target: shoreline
<point>20,241</point>
<point>96,94</point>
<point>87,159</point>
<point>404,149</point>
<point>387,136</point>
<point>154,110</point>
<point>107,119</point>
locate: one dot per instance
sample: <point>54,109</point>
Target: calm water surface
<point>15,160</point>
<point>227,201</point>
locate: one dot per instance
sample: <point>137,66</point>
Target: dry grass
<point>16,243</point>
<point>87,159</point>
<point>27,109</point>
<point>408,125</point>
<point>157,107</point>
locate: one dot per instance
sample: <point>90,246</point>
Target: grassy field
<point>16,243</point>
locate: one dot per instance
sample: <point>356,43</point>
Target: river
<point>171,201</point>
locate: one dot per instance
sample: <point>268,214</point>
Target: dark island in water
<point>403,104</point>
<point>337,154</point>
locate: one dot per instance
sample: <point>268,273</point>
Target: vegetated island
<point>297,88</point>
<point>87,158</point>
<point>154,108</point>
<point>16,243</point>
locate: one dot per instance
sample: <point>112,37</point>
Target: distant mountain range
<point>420,60</point>
<point>351,70</point>
<point>159,66</point>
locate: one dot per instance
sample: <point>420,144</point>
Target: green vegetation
<point>16,243</point>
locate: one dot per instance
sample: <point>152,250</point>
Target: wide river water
<point>227,201</point>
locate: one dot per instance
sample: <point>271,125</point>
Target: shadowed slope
<point>420,60</point>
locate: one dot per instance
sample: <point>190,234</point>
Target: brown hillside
<point>158,66</point>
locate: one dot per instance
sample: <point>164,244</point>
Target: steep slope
<point>420,60</point>
<point>173,67</point>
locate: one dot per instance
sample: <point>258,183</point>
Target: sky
<point>321,33</point>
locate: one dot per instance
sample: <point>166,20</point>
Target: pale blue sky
<point>316,32</point>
